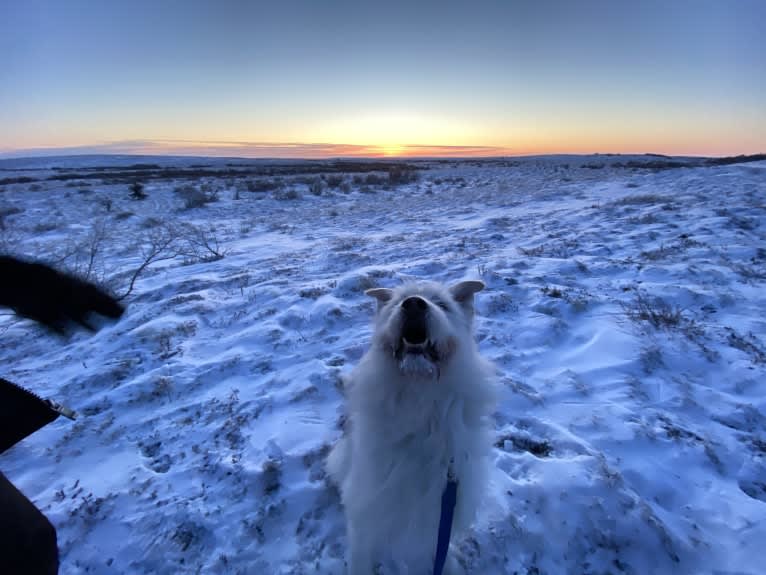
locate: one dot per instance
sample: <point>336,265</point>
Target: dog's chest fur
<point>405,438</point>
<point>408,429</point>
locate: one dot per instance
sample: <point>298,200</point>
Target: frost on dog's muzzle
<point>419,363</point>
<point>425,349</point>
<point>416,354</point>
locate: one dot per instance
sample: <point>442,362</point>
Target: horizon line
<point>312,151</point>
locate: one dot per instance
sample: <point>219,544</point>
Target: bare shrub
<point>745,223</point>
<point>151,222</point>
<point>316,186</point>
<point>399,176</point>
<point>645,219</point>
<point>553,292</point>
<point>639,199</point>
<point>525,442</point>
<point>84,258</point>
<point>562,249</point>
<point>534,252</point>
<point>195,197</point>
<point>198,244</point>
<point>333,180</point>
<point>651,359</point>
<point>9,238</point>
<point>287,194</point>
<point>748,343</point>
<point>660,253</point>
<point>19,180</point>
<point>656,311</point>
<point>137,191</point>
<point>263,185</point>
<point>312,292</point>
<point>6,211</point>
<point>90,253</point>
<point>42,227</point>
<point>157,245</point>
<point>165,241</point>
<point>375,180</point>
<point>684,242</point>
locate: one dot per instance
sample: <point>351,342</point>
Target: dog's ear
<point>462,293</point>
<point>380,294</point>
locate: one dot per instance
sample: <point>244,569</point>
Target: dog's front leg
<point>360,552</point>
<point>452,565</point>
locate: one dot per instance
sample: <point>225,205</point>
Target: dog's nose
<point>414,305</point>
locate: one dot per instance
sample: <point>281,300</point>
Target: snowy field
<point>624,311</point>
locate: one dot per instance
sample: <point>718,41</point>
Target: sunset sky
<point>330,78</point>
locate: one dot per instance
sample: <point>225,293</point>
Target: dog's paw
<point>452,566</point>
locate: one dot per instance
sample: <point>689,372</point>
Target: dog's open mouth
<point>416,354</point>
<point>414,342</point>
<point>414,333</point>
<point>427,349</point>
<point>418,359</point>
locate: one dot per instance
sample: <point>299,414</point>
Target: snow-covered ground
<point>624,311</point>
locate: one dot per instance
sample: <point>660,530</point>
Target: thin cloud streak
<point>293,150</point>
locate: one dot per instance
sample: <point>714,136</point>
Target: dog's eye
<point>442,304</point>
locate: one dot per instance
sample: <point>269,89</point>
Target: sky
<point>327,78</point>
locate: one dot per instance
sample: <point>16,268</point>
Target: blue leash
<point>449,499</point>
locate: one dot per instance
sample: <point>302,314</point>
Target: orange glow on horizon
<point>400,134</point>
<point>392,150</point>
<point>541,145</point>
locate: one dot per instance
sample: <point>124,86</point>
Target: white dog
<point>418,409</point>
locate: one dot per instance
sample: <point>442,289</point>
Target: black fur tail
<point>52,298</point>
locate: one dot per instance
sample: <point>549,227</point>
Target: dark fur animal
<point>58,301</point>
<point>21,413</point>
<point>50,297</point>
<point>27,538</point>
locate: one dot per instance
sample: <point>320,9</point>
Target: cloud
<point>294,150</point>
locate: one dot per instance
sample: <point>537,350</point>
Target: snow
<point>623,310</point>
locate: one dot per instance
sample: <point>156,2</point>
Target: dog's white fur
<point>412,418</point>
